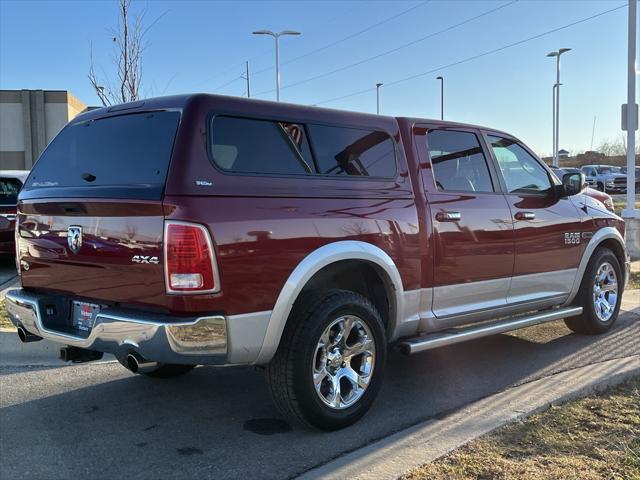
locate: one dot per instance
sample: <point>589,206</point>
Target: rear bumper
<point>195,341</point>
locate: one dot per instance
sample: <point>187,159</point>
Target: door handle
<point>525,216</point>
<point>448,216</point>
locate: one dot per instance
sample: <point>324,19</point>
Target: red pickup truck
<point>208,230</point>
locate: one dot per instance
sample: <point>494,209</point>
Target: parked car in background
<point>606,178</point>
<point>570,170</point>
<point>11,182</point>
<point>203,229</point>
<point>624,170</point>
<point>602,197</point>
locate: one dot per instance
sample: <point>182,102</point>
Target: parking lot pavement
<point>7,270</point>
<point>100,421</point>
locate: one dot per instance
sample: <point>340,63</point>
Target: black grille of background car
<point>620,181</point>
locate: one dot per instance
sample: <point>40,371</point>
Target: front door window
<point>521,171</point>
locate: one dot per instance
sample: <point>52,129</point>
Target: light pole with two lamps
<point>556,140</point>
<point>276,36</point>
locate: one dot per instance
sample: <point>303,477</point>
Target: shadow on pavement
<point>220,423</point>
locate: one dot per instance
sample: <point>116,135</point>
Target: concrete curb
<point>393,456</point>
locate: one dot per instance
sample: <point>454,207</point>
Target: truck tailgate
<point>102,250</point>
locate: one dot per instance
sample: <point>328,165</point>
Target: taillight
<point>189,259</point>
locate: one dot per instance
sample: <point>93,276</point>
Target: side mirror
<point>572,184</point>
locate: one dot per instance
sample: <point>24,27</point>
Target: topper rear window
<point>125,156</point>
<point>272,147</point>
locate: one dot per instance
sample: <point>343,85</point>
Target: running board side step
<point>441,339</point>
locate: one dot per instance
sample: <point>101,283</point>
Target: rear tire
<point>600,294</point>
<point>317,377</point>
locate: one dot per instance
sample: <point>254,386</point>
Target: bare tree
<point>616,147</point>
<point>129,45</point>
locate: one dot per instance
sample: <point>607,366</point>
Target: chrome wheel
<point>605,292</point>
<point>343,362</point>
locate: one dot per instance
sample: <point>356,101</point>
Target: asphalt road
<point>7,270</point>
<point>99,421</point>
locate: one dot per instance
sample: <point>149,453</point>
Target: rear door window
<point>9,188</point>
<point>353,152</point>
<point>244,145</point>
<point>123,156</point>
<point>458,162</point>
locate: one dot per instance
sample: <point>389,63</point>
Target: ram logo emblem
<point>74,238</point>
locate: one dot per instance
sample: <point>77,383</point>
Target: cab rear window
<point>125,156</point>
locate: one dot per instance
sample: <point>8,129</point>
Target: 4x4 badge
<point>74,238</point>
<point>145,259</point>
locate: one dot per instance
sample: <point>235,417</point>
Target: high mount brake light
<point>190,263</point>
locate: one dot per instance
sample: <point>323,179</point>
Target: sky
<point>346,47</point>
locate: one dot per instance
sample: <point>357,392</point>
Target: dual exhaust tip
<point>135,362</point>
<point>26,337</point>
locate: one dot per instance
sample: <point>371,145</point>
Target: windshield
<point>125,156</point>
<point>605,170</point>
<point>9,188</point>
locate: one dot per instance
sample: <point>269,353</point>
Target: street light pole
<point>631,214</point>
<point>553,121</point>
<point>441,96</point>
<point>246,64</point>
<point>276,37</point>
<point>378,85</point>
<point>556,146</point>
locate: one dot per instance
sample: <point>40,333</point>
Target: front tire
<point>600,294</point>
<point>329,365</point>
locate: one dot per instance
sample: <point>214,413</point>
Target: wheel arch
<point>608,237</point>
<point>333,255</point>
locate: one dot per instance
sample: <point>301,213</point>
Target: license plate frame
<point>84,315</point>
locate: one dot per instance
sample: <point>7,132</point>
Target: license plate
<point>84,314</point>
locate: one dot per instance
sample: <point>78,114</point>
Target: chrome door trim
<point>430,323</point>
<point>450,300</point>
<point>527,287</point>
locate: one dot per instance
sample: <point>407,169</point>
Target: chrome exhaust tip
<point>137,364</point>
<point>26,337</point>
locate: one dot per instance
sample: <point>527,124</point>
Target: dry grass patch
<point>4,318</point>
<point>619,205</point>
<point>597,437</point>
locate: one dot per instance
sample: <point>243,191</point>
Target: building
<point>29,119</point>
<point>563,153</point>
